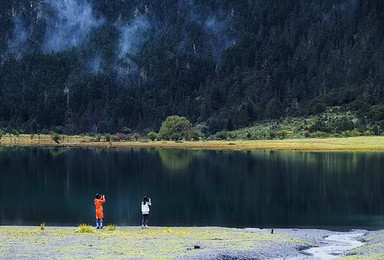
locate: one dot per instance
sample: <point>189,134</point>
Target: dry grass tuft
<point>111,227</point>
<point>85,228</point>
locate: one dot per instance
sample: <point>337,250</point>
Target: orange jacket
<point>99,207</point>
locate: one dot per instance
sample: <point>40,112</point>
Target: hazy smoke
<point>69,24</point>
<point>94,65</point>
<point>132,36</point>
<point>219,40</point>
<point>20,35</point>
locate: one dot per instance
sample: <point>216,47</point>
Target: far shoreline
<point>348,144</point>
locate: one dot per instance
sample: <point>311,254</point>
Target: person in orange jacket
<point>99,201</point>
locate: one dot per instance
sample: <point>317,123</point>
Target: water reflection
<point>177,160</point>
<point>191,187</point>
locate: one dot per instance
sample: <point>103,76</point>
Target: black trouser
<point>145,219</point>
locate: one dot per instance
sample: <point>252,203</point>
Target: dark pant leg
<point>145,219</point>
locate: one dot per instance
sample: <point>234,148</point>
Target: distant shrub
<point>45,131</point>
<point>58,129</point>
<point>98,138</point>
<point>223,135</point>
<point>152,135</point>
<point>352,133</point>
<point>272,134</point>
<point>203,130</point>
<point>343,124</point>
<point>85,228</point>
<point>55,137</point>
<point>42,226</point>
<point>108,138</point>
<point>306,134</point>
<point>377,112</point>
<point>318,134</point>
<point>282,134</point>
<point>367,133</point>
<point>319,126</point>
<point>376,130</point>
<point>126,130</point>
<point>195,134</point>
<point>136,136</point>
<point>262,135</point>
<point>120,137</point>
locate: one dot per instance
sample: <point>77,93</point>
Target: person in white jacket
<point>145,211</point>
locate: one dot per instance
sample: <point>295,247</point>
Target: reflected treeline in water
<point>192,187</point>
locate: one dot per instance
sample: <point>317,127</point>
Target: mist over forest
<point>90,66</point>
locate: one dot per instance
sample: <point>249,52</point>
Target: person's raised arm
<point>103,199</point>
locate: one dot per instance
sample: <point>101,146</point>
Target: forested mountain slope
<point>99,66</point>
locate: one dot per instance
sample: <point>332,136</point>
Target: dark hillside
<point>98,66</point>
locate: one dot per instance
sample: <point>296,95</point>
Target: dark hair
<point>145,199</point>
<point>97,196</point>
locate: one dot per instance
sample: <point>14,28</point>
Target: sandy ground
<point>188,243</point>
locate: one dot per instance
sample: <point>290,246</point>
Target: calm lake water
<point>192,188</point>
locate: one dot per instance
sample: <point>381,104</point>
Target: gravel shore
<point>188,243</point>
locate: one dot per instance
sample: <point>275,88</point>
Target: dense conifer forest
<point>91,66</point>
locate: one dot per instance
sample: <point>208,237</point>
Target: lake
<point>192,187</point>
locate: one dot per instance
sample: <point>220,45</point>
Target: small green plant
<point>98,138</point>
<point>111,227</point>
<point>55,137</point>
<point>108,138</point>
<point>85,228</point>
<point>42,226</point>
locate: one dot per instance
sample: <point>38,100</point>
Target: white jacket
<point>145,208</point>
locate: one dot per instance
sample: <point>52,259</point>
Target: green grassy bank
<point>131,242</point>
<point>362,143</point>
